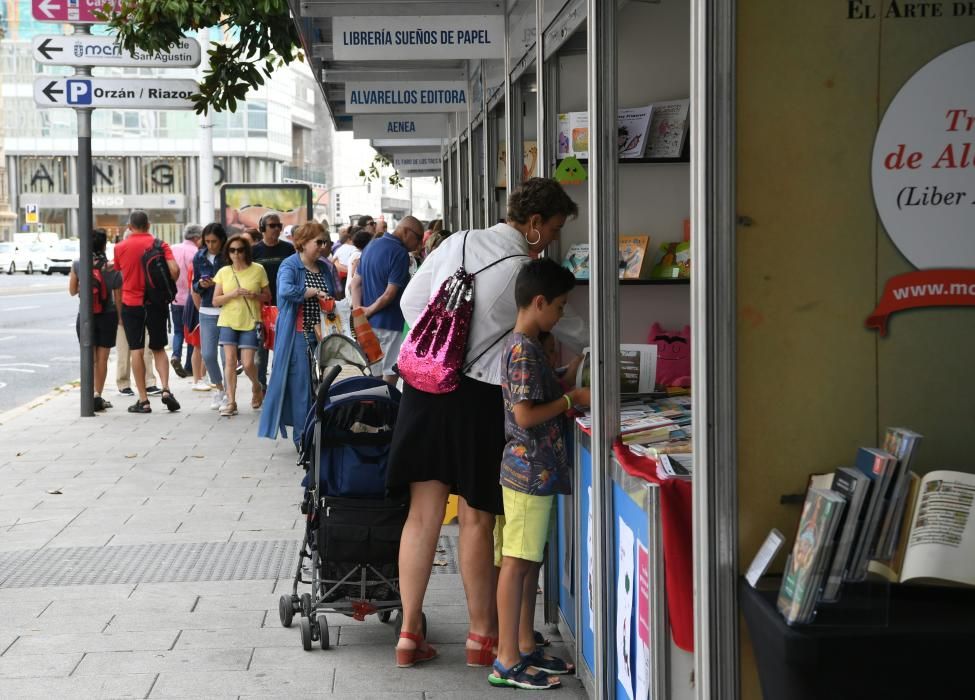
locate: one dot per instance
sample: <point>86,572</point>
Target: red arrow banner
<point>924,288</point>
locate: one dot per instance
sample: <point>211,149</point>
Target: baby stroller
<point>352,528</point>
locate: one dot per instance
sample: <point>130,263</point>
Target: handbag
<point>431,358</point>
<point>269,319</point>
<point>259,329</point>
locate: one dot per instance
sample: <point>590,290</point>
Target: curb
<point>13,413</point>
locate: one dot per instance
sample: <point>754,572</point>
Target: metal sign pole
<point>85,251</point>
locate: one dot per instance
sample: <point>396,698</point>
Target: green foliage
<point>265,36</point>
<point>374,171</point>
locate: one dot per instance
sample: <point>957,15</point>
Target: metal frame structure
<point>712,287</point>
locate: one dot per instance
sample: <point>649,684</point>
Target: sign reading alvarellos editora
<point>412,38</point>
<point>395,126</point>
<point>923,185</point>
<point>392,96</point>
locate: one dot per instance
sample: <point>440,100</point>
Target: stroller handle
<point>322,398</point>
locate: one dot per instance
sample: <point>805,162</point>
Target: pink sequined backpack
<point>431,358</point>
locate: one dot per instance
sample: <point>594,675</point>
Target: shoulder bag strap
<point>463,251</point>
<point>470,364</point>
<point>250,312</point>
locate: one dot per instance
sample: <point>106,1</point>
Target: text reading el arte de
<point>417,37</point>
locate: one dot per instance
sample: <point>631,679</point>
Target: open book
<point>941,540</point>
<point>638,369</point>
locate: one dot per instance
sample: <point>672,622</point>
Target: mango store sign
<point>411,38</point>
<point>399,126</point>
<point>403,97</point>
<point>924,186</point>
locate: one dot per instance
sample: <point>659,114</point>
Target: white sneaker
<point>201,385</point>
<point>219,399</point>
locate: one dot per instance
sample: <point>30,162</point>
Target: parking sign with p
<point>31,215</point>
<point>79,92</point>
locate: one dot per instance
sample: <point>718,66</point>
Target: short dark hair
<point>542,196</point>
<point>217,229</point>
<point>244,241</point>
<point>543,277</point>
<point>361,239</point>
<point>99,238</point>
<point>364,221</point>
<point>139,220</point>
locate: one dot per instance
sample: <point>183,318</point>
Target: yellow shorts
<point>524,527</point>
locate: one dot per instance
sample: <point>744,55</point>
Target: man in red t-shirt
<point>137,316</point>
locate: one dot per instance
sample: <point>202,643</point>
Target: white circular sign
<point>924,164</point>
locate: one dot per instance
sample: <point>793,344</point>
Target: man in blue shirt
<point>380,279</point>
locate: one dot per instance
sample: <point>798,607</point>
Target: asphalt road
<point>38,346</point>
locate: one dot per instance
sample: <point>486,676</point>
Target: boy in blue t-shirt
<point>534,467</point>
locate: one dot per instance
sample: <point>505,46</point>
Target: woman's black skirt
<point>454,438</point>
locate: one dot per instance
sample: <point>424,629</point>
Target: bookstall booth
<point>640,615</point>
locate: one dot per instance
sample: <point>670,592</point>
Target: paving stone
<point>230,659</point>
<point>438,633</point>
<point>225,603</point>
<point>314,679</point>
<point>36,666</point>
<point>218,639</point>
<point>449,672</point>
<point>134,685</point>
<point>147,606</point>
<point>124,641</point>
<point>208,588</point>
<point>73,623</point>
<point>102,592</point>
<point>134,622</point>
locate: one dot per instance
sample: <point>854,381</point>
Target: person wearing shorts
<point>105,323</point>
<point>382,274</point>
<point>139,317</point>
<point>240,289</point>
<point>534,468</point>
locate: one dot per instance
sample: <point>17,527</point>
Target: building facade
<point>145,159</point>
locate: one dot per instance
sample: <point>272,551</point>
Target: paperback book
<point>854,486</point>
<point>876,465</point>
<point>668,129</point>
<point>577,260</point>
<point>901,443</point>
<point>634,261</point>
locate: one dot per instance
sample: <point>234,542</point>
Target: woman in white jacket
<point>452,443</point>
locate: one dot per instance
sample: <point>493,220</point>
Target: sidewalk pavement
<point>143,556</point>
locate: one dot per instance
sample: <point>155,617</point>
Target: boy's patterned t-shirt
<point>535,460</point>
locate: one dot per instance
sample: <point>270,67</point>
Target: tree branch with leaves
<point>264,39</point>
<point>374,171</point>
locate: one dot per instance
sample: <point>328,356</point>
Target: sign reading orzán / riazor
<point>87,92</point>
<point>924,186</point>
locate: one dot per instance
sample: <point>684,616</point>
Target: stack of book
<point>878,517</point>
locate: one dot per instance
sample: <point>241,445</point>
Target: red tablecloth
<point>675,507</point>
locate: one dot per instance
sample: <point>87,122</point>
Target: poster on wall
<point>589,566</point>
<point>243,205</point>
<point>624,608</point>
<point>642,622</point>
<point>922,165</point>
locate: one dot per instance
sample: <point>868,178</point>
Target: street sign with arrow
<point>88,50</point>
<point>85,92</point>
<point>74,11</point>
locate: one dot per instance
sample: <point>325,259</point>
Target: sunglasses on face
<point>320,242</point>
<point>235,250</point>
<point>274,225</point>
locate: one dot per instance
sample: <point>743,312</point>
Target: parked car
<point>7,263</point>
<point>32,257</point>
<point>60,255</point>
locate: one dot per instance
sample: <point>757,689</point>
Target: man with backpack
<point>149,274</point>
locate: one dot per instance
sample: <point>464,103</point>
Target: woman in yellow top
<point>241,289</point>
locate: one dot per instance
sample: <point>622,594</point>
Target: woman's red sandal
<point>484,656</point>
<point>408,657</point>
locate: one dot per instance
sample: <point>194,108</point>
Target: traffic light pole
<point>85,252</point>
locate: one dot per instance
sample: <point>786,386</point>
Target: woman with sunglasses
<point>206,262</point>
<point>241,289</point>
<point>302,282</point>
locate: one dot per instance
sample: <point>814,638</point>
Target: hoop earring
<point>537,240</point>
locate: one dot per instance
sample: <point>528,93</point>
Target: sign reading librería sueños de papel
<point>924,186</point>
<point>413,38</point>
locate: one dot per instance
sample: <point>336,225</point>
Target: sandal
<point>171,403</point>
<point>229,409</point>
<point>140,407</point>
<point>257,396</point>
<point>479,658</point>
<point>549,664</point>
<point>405,658</point>
<point>518,676</point>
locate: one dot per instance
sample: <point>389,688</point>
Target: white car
<point>60,255</point>
<point>7,257</point>
<point>26,257</point>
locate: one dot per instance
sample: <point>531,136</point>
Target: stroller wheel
<point>385,615</point>
<point>305,626</point>
<point>323,632</point>
<point>306,604</point>
<point>285,610</point>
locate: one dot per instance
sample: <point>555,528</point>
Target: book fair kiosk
<point>804,200</point>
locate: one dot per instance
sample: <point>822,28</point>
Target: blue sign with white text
<point>79,92</point>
